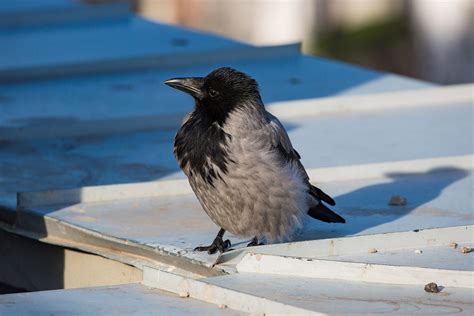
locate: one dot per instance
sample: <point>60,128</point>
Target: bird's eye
<point>213,93</point>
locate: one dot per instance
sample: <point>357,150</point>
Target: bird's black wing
<point>281,142</point>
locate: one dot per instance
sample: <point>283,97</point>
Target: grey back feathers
<point>241,164</point>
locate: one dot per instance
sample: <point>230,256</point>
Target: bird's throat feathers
<point>200,147</point>
<point>218,112</point>
<point>211,114</point>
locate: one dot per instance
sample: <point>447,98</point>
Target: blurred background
<point>431,40</point>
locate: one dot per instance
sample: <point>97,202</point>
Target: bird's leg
<point>217,244</point>
<point>254,242</point>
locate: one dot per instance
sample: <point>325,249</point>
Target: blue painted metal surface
<point>17,15</point>
<point>130,95</point>
<point>91,48</point>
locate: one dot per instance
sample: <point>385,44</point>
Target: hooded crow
<point>240,162</point>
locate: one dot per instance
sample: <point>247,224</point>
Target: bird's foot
<point>254,242</point>
<point>217,245</point>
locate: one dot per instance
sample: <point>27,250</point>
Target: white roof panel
<point>128,299</point>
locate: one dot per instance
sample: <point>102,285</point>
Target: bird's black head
<point>220,92</point>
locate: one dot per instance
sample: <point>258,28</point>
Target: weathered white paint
<point>353,271</point>
<point>400,100</point>
<point>204,291</point>
<point>341,297</point>
<point>127,299</point>
<point>334,247</point>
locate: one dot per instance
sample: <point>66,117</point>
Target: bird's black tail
<point>324,214</point>
<point>320,195</point>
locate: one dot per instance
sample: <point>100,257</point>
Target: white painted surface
<point>210,293</point>
<point>443,257</point>
<point>353,271</point>
<point>392,245</point>
<point>336,297</point>
<point>129,299</point>
<point>276,294</point>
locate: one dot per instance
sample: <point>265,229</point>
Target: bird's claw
<point>217,245</point>
<point>254,242</point>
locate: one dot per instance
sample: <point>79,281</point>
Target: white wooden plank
<point>352,271</point>
<point>334,247</point>
<point>339,297</point>
<point>201,290</point>
<point>127,299</point>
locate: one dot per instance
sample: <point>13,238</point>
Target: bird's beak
<point>192,86</point>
